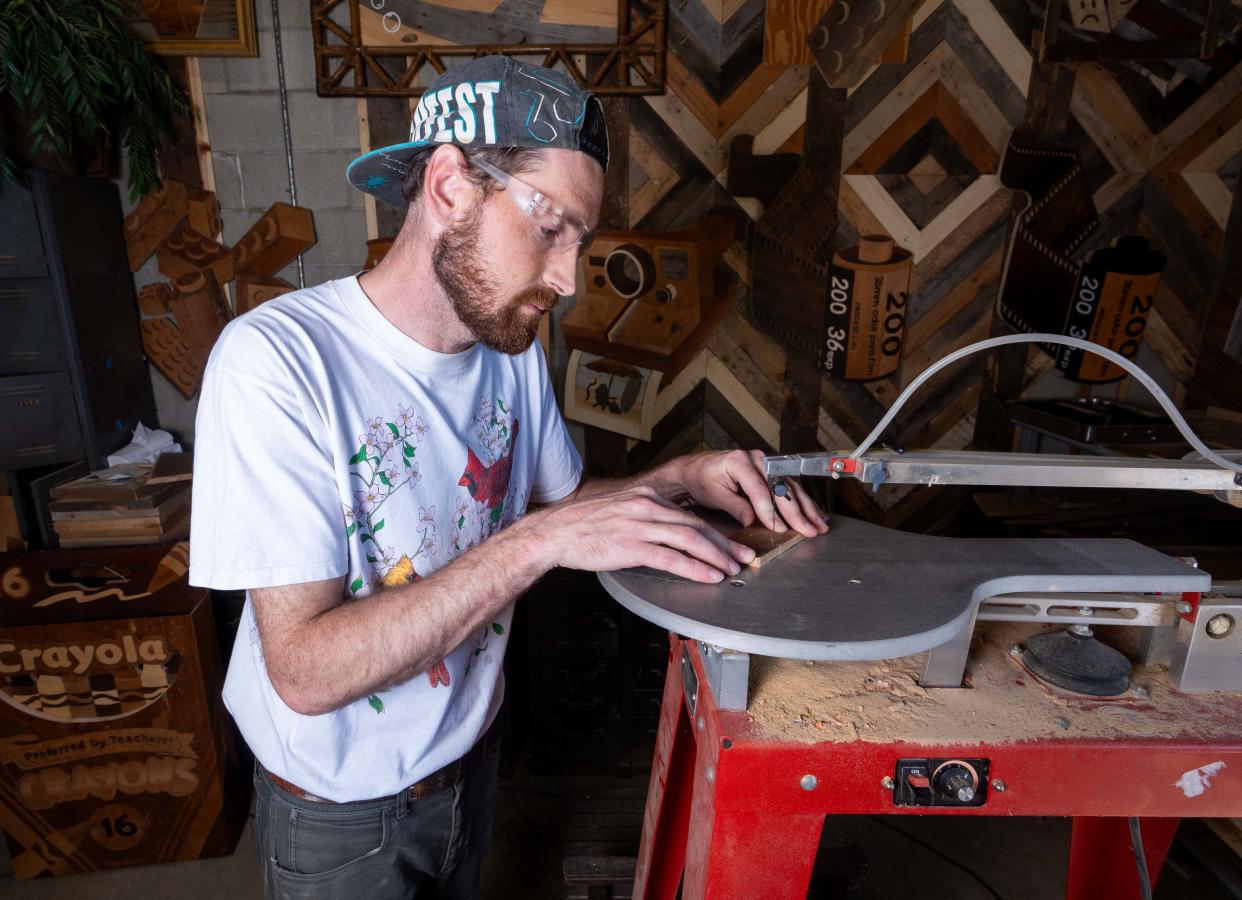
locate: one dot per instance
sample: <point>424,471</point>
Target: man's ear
<point>448,193</point>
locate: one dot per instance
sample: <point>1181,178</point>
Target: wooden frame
<point>1056,46</point>
<point>244,43</point>
<point>637,54</point>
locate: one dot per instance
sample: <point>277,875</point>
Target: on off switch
<point>940,782</point>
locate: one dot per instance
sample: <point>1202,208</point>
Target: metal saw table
<point>751,754</point>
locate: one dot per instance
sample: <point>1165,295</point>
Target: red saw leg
<point>1101,863</point>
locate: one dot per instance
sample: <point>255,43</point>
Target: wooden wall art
<point>1152,30</point>
<point>787,24</point>
<point>182,319</point>
<point>653,298</point>
<point>850,38</point>
<point>868,299</point>
<point>1110,306</point>
<point>610,394</point>
<point>195,27</point>
<point>1040,269</point>
<point>393,48</point>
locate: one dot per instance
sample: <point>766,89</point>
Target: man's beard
<point>459,267</point>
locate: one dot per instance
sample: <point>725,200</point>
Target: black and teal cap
<point>492,101</point>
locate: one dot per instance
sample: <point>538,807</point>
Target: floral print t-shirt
<point>329,443</point>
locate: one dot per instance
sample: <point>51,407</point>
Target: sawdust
<point>881,701</point>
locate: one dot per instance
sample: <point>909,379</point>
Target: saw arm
<point>932,467</point>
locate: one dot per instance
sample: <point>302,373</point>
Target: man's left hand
<point>734,481</point>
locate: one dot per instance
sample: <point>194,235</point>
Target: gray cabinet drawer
<point>30,335</point>
<point>40,421</point>
<point>21,244</point>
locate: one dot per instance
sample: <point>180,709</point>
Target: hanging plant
<point>73,70</point>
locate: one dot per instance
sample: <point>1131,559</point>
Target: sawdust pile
<point>881,701</point>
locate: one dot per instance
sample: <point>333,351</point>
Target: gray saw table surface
<point>863,592</point>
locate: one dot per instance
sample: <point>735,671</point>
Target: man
<point>366,450</point>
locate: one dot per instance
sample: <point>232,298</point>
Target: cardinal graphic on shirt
<point>488,485</point>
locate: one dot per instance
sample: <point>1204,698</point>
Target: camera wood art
<point>652,299</point>
<point>180,322</point>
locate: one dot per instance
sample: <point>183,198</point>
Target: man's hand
<point>630,527</point>
<point>734,481</point>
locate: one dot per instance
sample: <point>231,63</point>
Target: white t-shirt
<point>329,443</point>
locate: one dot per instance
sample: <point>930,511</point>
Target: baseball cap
<point>492,101</point>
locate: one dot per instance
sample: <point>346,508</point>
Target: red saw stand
<point>735,808</point>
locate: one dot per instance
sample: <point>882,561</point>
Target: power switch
<point>940,782</point>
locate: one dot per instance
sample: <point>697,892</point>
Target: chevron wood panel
<point>1160,141</point>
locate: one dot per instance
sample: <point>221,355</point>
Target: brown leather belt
<point>432,784</point>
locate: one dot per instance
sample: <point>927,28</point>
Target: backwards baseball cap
<point>493,101</point>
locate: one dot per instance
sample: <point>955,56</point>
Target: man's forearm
<point>664,478</point>
<point>362,646</point>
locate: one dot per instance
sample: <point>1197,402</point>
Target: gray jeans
<point>393,847</point>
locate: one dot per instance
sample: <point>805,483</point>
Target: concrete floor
<point>889,857</point>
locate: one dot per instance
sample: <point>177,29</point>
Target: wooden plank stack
<point>123,505</point>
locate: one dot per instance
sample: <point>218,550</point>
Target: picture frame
<point>195,27</point>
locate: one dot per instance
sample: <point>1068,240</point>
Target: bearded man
<point>365,454</point>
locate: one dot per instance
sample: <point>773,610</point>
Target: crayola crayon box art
<point>115,748</point>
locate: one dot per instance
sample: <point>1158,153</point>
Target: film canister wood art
<point>1112,302</point>
<point>115,748</point>
<point>868,292</point>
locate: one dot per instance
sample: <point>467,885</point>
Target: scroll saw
<point>864,592</point>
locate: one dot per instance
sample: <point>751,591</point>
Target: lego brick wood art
<point>114,746</point>
<point>155,217</point>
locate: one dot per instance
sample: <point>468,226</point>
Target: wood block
<point>155,217</point>
<point>199,308</point>
<point>153,299</point>
<point>376,250</point>
<point>170,467</point>
<point>849,39</point>
<point>766,543</point>
<point>118,484</point>
<point>788,22</point>
<point>282,234</point>
<point>165,346</point>
<point>186,251</point>
<point>252,290</point>
<point>203,213</point>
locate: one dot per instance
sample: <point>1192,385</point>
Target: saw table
<point>777,712</point>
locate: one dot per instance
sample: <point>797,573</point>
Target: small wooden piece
<point>153,299</point>
<point>376,249</point>
<point>252,291</point>
<point>203,213</point>
<point>170,467</point>
<point>199,308</point>
<point>850,38</point>
<point>155,217</point>
<point>281,235</point>
<point>766,543</point>
<point>787,22</point>
<point>168,351</point>
<point>186,251</point>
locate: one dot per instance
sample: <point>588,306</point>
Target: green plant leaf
<point>396,432</point>
<point>359,456</point>
<point>378,525</point>
<point>376,704</point>
<point>356,585</point>
<point>498,628</point>
<point>406,448</point>
<point>371,559</point>
<point>349,532</point>
<point>384,478</point>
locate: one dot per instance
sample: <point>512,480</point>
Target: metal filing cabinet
<point>73,379</point>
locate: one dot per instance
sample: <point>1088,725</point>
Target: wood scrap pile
<point>129,504</point>
<point>182,318</point>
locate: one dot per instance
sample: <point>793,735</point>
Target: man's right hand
<point>631,527</point>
